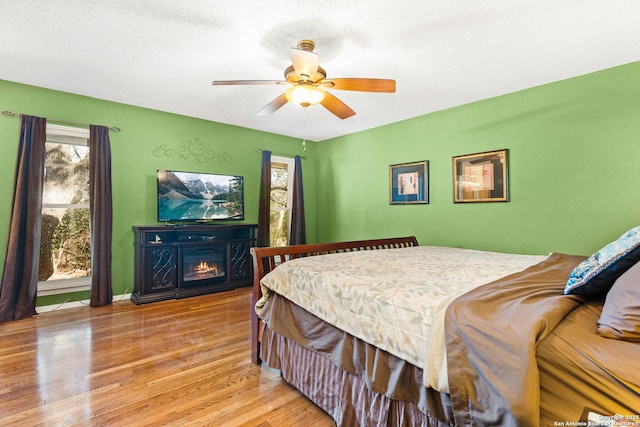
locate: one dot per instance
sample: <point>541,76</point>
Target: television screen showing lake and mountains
<point>199,197</point>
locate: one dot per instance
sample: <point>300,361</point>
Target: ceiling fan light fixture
<point>305,95</point>
<point>308,81</point>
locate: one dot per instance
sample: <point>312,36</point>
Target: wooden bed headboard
<point>266,259</point>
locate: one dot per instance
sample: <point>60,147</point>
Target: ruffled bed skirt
<point>346,396</point>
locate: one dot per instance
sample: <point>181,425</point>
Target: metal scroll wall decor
<point>194,151</point>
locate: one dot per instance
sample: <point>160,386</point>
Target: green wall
<point>134,163</point>
<point>574,150</point>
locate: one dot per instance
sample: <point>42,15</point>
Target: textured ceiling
<point>164,54</point>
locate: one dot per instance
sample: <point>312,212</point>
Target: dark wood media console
<point>178,261</point>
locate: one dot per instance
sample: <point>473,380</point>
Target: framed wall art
<point>481,177</point>
<point>409,183</point>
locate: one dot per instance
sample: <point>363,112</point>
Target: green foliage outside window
<point>65,246</point>
<point>71,243</point>
<point>279,217</point>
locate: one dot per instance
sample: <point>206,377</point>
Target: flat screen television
<point>199,197</point>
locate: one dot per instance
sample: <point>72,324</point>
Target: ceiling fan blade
<point>362,85</point>
<point>336,106</point>
<point>248,82</point>
<point>304,62</point>
<point>273,106</point>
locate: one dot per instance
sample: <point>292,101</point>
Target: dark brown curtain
<point>264,204</point>
<point>20,275</point>
<point>298,235</point>
<point>101,215</point>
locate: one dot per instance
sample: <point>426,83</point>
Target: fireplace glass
<point>203,265</point>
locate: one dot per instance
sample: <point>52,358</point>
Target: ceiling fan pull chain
<point>304,130</point>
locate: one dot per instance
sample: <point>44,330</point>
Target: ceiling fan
<point>309,82</point>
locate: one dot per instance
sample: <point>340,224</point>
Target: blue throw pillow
<point>596,274</point>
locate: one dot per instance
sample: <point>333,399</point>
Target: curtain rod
<point>260,150</point>
<point>12,114</point>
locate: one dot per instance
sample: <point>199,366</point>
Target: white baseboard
<point>75,304</point>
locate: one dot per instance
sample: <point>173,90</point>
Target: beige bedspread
<point>394,299</point>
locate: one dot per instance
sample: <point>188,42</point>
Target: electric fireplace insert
<point>203,265</point>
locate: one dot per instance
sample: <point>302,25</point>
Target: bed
<point>364,330</point>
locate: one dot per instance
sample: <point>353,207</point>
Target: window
<point>282,172</point>
<point>65,246</point>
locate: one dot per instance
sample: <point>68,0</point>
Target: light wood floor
<point>175,363</point>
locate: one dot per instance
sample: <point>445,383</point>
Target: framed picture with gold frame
<point>481,177</point>
<point>409,183</point>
